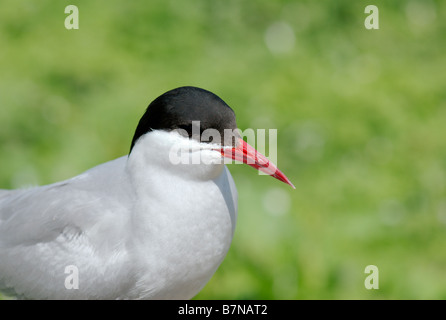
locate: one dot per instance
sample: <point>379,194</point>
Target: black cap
<point>178,108</point>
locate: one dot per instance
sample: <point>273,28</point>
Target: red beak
<point>250,156</point>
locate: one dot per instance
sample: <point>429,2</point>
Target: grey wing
<point>53,236</point>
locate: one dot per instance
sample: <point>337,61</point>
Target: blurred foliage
<point>360,116</point>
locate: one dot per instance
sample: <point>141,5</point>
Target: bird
<point>155,223</point>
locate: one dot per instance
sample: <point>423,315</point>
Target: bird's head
<point>197,127</point>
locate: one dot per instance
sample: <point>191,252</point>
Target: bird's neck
<point>177,206</point>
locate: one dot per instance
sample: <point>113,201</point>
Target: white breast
<point>183,226</point>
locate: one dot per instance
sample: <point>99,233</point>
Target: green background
<point>360,114</point>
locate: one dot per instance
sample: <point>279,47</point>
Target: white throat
<point>184,157</point>
<point>184,217</point>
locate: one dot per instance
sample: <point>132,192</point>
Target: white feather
<point>137,227</point>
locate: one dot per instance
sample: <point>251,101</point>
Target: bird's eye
<point>187,128</point>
